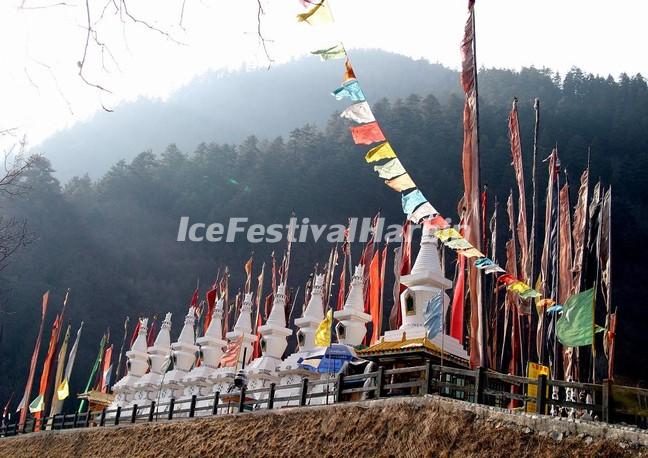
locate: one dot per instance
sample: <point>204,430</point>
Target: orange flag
<point>367,134</point>
<point>349,74</point>
<point>374,297</point>
<point>51,350</point>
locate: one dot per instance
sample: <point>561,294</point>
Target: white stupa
<point>423,283</point>
<point>183,356</point>
<point>137,365</point>
<point>274,335</point>
<point>212,346</point>
<point>159,356</point>
<point>352,325</point>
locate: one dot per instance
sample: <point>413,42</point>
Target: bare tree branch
<point>260,13</point>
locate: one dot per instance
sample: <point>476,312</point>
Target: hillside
<point>226,107</point>
<point>389,428</point>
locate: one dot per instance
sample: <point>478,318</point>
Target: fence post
<point>86,421</point>
<point>271,396</point>
<point>607,408</point>
<point>171,407</point>
<point>216,401</point>
<point>241,406</point>
<point>303,392</point>
<point>428,377</point>
<point>541,399</point>
<point>102,420</point>
<point>338,388</point>
<point>479,385</point>
<point>380,382</point>
<point>117,415</point>
<point>43,423</point>
<point>192,406</point>
<point>151,411</point>
<point>134,413</point>
<point>75,422</point>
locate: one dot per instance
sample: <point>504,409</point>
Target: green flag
<point>102,344</point>
<point>575,328</point>
<point>37,405</point>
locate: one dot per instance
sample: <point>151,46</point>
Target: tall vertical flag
<point>578,231</point>
<point>210,297</point>
<point>248,274</point>
<point>471,172</point>
<point>402,266</point>
<point>55,404</point>
<point>93,372</point>
<point>374,297</point>
<point>434,316</point>
<point>457,312</point>
<point>34,359</point>
<point>62,390</point>
<point>605,258</point>
<point>38,405</point>
<point>106,370</point>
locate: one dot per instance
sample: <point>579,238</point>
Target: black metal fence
<point>603,402</point>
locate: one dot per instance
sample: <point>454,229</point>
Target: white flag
<point>360,113</point>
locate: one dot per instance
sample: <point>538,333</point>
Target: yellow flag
<point>446,234</point>
<point>63,390</point>
<point>518,287</point>
<point>319,14</point>
<point>401,183</point>
<point>471,253</point>
<point>323,333</point>
<point>383,151</point>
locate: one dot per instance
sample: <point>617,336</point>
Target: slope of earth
<point>398,427</point>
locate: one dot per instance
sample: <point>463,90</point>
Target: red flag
<point>150,333</point>
<point>457,313</point>
<point>374,297</point>
<point>106,369</point>
<point>34,359</point>
<point>342,285</point>
<point>565,275</point>
<point>578,234</point>
<point>470,165</point>
<point>383,269</point>
<point>402,266</point>
<point>51,350</point>
<point>210,296</point>
<point>349,74</point>
<point>256,349</point>
<point>366,134</point>
<point>135,332</point>
<point>5,411</point>
<point>194,298</point>
<point>248,275</point>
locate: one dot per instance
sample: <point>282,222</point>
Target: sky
<point>43,42</point>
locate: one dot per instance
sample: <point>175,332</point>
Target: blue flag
<point>350,89</point>
<point>434,316</point>
<point>412,200</point>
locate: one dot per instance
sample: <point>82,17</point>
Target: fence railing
<point>604,402</point>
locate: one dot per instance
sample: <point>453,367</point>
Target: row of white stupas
<point>147,381</point>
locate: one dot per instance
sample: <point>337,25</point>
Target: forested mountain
<point>113,240</point>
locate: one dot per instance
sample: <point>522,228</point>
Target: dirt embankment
<point>395,428</point>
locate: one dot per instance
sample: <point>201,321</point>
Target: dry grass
<point>393,430</point>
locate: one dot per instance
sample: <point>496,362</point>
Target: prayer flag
<point>349,74</point>
<point>402,266</point>
<point>457,313</point>
<point>349,90</point>
<point>37,405</point>
<point>578,231</point>
<point>232,354</point>
<point>248,275</point>
<point>437,223</point>
<point>433,316</point>
<point>401,183</point>
<point>471,253</point>
<point>390,169</point>
<point>106,371</point>
<point>317,15</point>
<point>334,52</point>
<point>62,390</point>
<point>422,212</point>
<point>446,234</point>
<point>412,200</point>
<point>323,333</point>
<point>47,364</point>
<point>366,134</point>
<point>374,297</point>
<point>360,113</point>
<point>575,328</point>
<point>459,244</point>
<point>32,367</point>
<point>58,377</point>
<point>383,151</point>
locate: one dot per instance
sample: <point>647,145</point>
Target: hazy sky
<point>40,91</point>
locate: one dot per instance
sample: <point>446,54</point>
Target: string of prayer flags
<point>424,211</point>
<point>349,90</point>
<point>318,14</point>
<point>446,234</point>
<point>438,222</point>
<point>334,52</point>
<point>383,151</point>
<point>412,200</point>
<point>390,169</point>
<point>529,293</point>
<point>401,183</point>
<point>367,134</point>
<point>459,244</point>
<point>359,112</point>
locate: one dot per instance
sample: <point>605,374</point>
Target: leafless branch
<point>41,7</point>
<point>81,63</point>
<point>260,13</point>
<point>56,83</point>
<point>182,14</point>
<point>146,24</point>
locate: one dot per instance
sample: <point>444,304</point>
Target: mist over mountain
<point>226,107</point>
